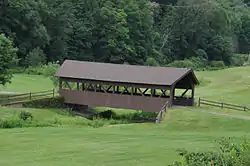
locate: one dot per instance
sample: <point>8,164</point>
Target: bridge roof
<point>164,76</point>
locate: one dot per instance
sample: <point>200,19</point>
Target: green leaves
<point>7,59</point>
<point>126,31</point>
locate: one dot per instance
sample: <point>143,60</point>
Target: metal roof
<point>165,76</point>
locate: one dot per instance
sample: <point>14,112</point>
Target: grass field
<point>28,83</point>
<point>134,144</point>
<point>228,85</point>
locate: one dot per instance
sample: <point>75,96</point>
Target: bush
<point>24,115</point>
<point>239,59</point>
<point>35,58</point>
<point>17,70</point>
<point>201,54</point>
<point>229,153</point>
<point>50,70</point>
<point>216,65</point>
<point>125,118</point>
<point>182,64</point>
<point>109,114</point>
<point>37,70</point>
<point>10,123</point>
<point>56,102</point>
<point>151,62</point>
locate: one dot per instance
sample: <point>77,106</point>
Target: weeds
<point>27,119</point>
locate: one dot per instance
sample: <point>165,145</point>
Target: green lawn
<point>28,83</point>
<point>135,144</point>
<point>228,85</point>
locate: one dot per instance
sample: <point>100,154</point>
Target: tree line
<point>160,32</point>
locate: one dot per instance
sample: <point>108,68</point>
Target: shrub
<point>151,62</point>
<point>10,123</point>
<point>35,58</point>
<point>56,102</point>
<point>201,54</point>
<point>49,71</point>
<point>128,117</point>
<point>109,114</point>
<point>17,70</point>
<point>34,70</point>
<point>182,64</point>
<point>229,153</point>
<point>215,65</point>
<point>24,115</point>
<point>239,59</point>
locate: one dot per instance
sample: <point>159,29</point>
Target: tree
<point>50,70</point>
<point>7,59</point>
<point>202,24</point>
<point>24,24</point>
<point>35,58</point>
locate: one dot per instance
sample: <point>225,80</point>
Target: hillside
<point>228,85</point>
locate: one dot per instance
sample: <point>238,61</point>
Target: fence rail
<point>161,112</point>
<point>18,98</point>
<point>222,105</point>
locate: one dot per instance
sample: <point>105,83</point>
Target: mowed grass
<point>229,85</point>
<point>23,83</point>
<point>134,144</point>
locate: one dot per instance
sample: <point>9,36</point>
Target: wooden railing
<point>19,98</point>
<point>162,111</point>
<point>222,105</point>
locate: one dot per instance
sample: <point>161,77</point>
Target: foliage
<point>182,63</point>
<point>133,32</point>
<point>239,59</point>
<point>50,70</point>
<point>26,119</point>
<point>55,102</point>
<point>137,116</point>
<point>7,59</point>
<point>36,70</point>
<point>11,123</point>
<point>151,62</point>
<point>230,153</point>
<point>35,58</point>
<point>203,28</point>
<point>24,115</point>
<point>217,65</point>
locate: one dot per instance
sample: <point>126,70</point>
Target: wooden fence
<point>162,111</point>
<point>19,98</point>
<point>222,105</point>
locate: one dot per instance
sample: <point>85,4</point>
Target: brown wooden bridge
<point>125,86</point>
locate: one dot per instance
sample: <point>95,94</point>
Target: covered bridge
<point>125,86</point>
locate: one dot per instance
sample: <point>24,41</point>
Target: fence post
<point>199,102</point>
<point>53,93</point>
<point>244,108</point>
<point>221,105</point>
<point>30,95</point>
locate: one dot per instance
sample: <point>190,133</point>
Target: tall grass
<point>27,119</point>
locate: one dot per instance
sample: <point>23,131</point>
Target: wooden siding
<point>145,103</point>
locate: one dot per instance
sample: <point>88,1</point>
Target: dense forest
<point>160,32</point>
